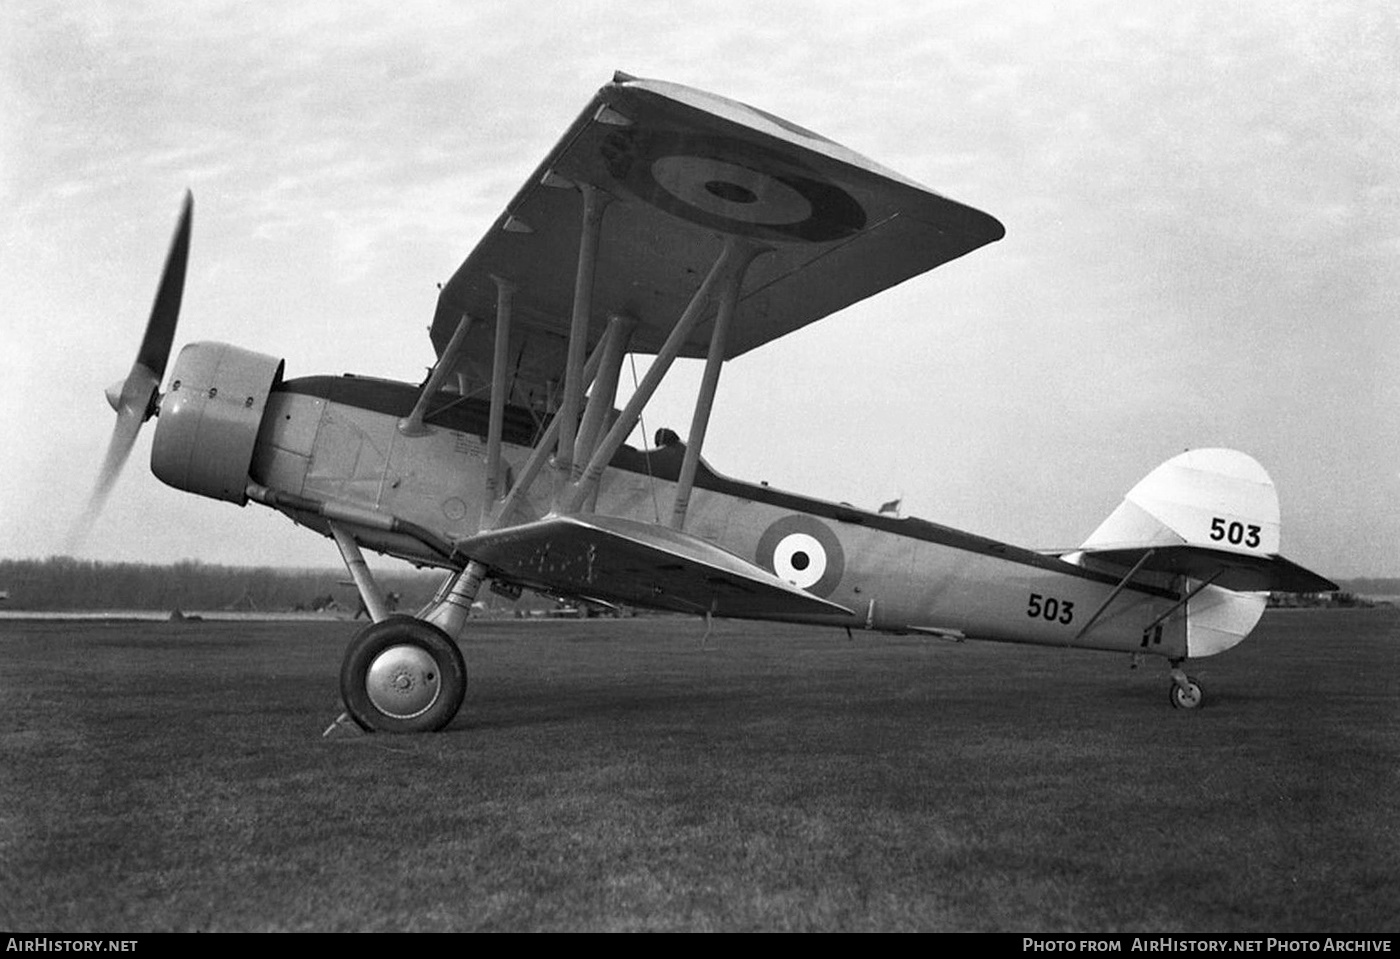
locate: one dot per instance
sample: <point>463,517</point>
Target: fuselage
<point>337,439</point>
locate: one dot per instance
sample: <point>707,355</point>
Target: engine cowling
<point>209,419</point>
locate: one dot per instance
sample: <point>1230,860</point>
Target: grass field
<point>616,775</point>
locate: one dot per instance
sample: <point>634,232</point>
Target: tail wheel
<point>1188,696</point>
<point>402,675</point>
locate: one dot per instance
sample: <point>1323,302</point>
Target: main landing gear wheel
<point>402,675</point>
<point>1188,696</point>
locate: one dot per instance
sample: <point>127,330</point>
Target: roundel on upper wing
<point>803,551</point>
<point>735,186</point>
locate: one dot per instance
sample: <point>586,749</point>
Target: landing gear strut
<point>1185,692</point>
<point>402,675</point>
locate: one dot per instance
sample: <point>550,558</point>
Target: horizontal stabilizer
<point>640,564</point>
<point>1235,571</point>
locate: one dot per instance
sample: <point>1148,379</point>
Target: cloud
<point>1202,202</point>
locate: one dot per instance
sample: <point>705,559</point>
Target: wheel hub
<point>1190,697</point>
<point>402,682</point>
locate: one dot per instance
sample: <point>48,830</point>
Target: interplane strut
<point>505,293</point>
<point>709,383</point>
<point>727,273</point>
<point>604,392</point>
<point>595,202</point>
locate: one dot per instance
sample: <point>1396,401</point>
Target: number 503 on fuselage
<point>671,222</point>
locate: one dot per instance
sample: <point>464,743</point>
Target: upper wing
<point>684,169</point>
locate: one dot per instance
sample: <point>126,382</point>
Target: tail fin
<point>1214,498</point>
<point>1212,516</point>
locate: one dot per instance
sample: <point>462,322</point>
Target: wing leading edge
<point>686,169</point>
<point>624,561</point>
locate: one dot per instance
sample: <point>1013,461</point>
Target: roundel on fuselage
<point>803,551</point>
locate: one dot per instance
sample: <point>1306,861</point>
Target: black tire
<point>402,675</point>
<point>1191,698</point>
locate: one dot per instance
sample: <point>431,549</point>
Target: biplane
<point>673,223</point>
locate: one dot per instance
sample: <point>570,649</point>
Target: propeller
<point>135,398</point>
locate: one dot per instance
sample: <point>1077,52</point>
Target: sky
<point>1202,204</point>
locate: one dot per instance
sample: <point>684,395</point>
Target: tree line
<point>64,583</point>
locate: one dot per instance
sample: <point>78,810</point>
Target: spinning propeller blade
<point>134,398</point>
